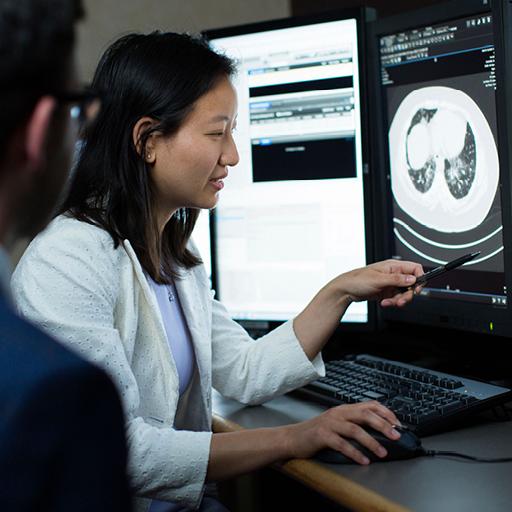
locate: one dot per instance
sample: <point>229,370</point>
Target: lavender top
<point>178,335</point>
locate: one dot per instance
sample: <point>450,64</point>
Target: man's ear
<point>141,126</point>
<point>36,132</point>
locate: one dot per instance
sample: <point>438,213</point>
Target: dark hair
<point>36,44</point>
<point>160,75</point>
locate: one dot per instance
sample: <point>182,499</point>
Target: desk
<point>422,484</point>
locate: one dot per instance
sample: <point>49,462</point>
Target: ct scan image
<point>443,159</point>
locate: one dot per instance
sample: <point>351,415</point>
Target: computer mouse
<point>406,447</point>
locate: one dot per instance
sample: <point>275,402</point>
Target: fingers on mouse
<point>406,447</point>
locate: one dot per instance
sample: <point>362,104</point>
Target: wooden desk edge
<point>338,488</point>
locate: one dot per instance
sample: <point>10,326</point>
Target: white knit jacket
<point>95,299</point>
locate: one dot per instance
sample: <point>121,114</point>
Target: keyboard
<point>425,401</point>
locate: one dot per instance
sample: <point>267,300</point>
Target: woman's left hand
<point>390,281</point>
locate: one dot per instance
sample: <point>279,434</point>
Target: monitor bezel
<point>362,16</point>
<point>463,316</point>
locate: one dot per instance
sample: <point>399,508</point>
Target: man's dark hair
<point>160,75</point>
<point>36,40</point>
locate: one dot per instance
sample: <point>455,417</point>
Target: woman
<point>116,277</point>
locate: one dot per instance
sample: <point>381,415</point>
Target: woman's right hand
<point>333,428</point>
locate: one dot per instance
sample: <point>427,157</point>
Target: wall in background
<point>108,19</point>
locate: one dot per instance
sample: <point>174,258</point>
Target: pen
<point>444,268</point>
<point>427,276</point>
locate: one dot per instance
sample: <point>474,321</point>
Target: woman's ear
<point>148,151</point>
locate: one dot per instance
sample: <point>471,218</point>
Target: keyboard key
<point>328,388</point>
<point>373,395</point>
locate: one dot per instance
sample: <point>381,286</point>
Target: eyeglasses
<point>85,105</point>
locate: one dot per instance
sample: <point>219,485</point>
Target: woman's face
<point>188,168</point>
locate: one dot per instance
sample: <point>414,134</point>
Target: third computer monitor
<point>292,215</point>
<point>446,183</point>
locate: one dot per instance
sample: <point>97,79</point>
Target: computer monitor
<point>441,151</point>
<point>293,213</point>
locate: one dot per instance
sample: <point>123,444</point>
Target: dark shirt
<point>62,440</point>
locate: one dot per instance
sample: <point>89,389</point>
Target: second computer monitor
<point>293,215</point>
<point>446,179</point>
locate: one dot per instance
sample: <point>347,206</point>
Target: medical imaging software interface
<point>439,90</point>
<point>291,216</point>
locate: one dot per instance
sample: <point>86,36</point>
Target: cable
<point>436,453</point>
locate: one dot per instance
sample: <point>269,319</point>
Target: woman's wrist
<point>288,439</point>
<point>337,294</point>
<point>236,453</point>
<point>316,323</point>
